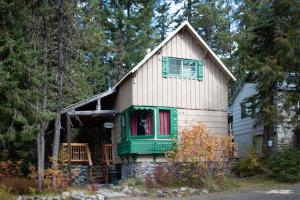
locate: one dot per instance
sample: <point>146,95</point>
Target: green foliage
<point>18,185</point>
<point>285,165</point>
<point>132,182</point>
<point>269,52</point>
<point>250,165</point>
<point>5,193</point>
<point>220,183</point>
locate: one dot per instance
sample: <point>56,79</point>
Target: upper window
<point>187,68</point>
<point>141,123</point>
<point>246,110</point>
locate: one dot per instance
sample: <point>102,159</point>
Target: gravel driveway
<point>280,192</point>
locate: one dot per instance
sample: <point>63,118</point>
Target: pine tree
<point>162,19</point>
<point>270,52</point>
<point>212,20</point>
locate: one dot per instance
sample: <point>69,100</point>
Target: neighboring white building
<point>245,130</point>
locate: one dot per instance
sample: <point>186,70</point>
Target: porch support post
<point>69,145</point>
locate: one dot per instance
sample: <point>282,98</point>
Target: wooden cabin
<point>180,83</point>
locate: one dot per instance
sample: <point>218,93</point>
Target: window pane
<point>174,66</point>
<point>141,123</point>
<point>164,122</point>
<point>189,68</point>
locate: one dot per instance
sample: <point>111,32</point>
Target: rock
<point>183,189</point>
<point>161,194</point>
<point>204,191</point>
<point>77,195</point>
<point>19,198</point>
<point>65,195</point>
<point>99,197</point>
<point>56,198</point>
<point>145,193</point>
<point>193,190</point>
<point>49,198</point>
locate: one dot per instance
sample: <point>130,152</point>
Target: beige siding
<point>124,95</point>
<point>116,137</point>
<point>216,121</point>
<point>151,89</point>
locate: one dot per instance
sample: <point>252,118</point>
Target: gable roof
<point>197,36</point>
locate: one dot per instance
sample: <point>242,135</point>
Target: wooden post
<point>69,145</point>
<point>99,104</point>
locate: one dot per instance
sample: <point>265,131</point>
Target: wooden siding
<point>124,96</point>
<point>216,121</point>
<point>151,89</point>
<point>244,129</point>
<point>116,137</point>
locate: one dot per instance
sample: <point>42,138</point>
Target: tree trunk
<point>60,78</point>
<point>43,126</point>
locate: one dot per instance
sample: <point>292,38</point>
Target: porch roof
<point>98,97</point>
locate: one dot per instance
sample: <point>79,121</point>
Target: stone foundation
<point>148,168</point>
<point>140,169</point>
<point>80,174</point>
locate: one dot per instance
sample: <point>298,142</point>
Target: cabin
<point>129,127</point>
<point>248,132</point>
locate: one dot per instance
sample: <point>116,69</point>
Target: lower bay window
<point>140,122</point>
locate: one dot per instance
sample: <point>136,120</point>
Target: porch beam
<point>93,112</point>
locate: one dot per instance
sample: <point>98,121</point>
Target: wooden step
<point>98,174</point>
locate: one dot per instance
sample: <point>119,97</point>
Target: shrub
<point>5,193</point>
<point>220,183</point>
<point>162,177</point>
<point>61,180</point>
<point>198,152</point>
<point>285,165</point>
<point>18,185</point>
<point>251,165</point>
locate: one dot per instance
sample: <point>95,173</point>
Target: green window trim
<point>173,123</point>
<point>166,68</point>
<point>125,136</point>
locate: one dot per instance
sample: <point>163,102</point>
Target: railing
<point>107,154</point>
<point>144,146</point>
<point>80,153</point>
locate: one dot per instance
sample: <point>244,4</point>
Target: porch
<point>86,139</point>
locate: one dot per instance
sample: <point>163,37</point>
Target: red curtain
<point>133,125</point>
<point>164,119</point>
<point>149,123</point>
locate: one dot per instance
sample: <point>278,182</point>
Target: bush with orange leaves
<point>199,153</point>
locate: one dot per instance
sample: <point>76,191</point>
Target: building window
<point>141,123</point>
<point>164,122</point>
<point>246,110</point>
<point>185,68</point>
<point>145,122</point>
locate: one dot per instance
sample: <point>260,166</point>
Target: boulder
<point>75,195</point>
<point>65,195</point>
<point>99,197</point>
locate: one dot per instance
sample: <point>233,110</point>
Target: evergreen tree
<point>130,33</point>
<point>269,50</point>
<point>162,19</point>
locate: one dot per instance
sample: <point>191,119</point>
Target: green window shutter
<point>165,65</point>
<point>200,69</point>
<point>174,123</point>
